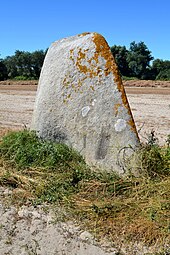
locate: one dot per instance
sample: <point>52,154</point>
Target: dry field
<point>149,102</point>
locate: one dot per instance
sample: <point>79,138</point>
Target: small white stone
<point>93,102</point>
<point>23,213</point>
<point>120,125</point>
<point>85,110</point>
<point>36,215</point>
<point>85,236</point>
<point>7,192</point>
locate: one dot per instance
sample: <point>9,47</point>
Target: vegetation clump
<point>130,209</point>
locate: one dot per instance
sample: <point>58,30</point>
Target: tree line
<point>138,62</point>
<point>135,62</point>
<point>23,65</point>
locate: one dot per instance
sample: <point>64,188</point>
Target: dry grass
<point>139,210</point>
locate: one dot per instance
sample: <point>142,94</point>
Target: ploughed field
<point>149,102</point>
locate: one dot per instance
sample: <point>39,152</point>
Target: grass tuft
<point>24,149</point>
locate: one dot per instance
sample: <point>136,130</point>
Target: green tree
<point>120,54</point>
<point>3,71</point>
<point>138,59</point>
<point>11,66</point>
<point>24,64</point>
<point>161,69</point>
<point>164,75</point>
<point>37,59</point>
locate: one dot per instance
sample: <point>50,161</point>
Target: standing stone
<point>81,101</point>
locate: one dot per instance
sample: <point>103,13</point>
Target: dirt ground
<point>149,102</point>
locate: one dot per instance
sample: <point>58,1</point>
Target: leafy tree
<point>134,62</point>
<point>138,59</point>
<point>3,71</point>
<point>25,64</point>
<point>164,75</point>
<point>37,59</point>
<point>120,54</point>
<point>11,66</point>
<point>161,69</point>
<point>157,66</point>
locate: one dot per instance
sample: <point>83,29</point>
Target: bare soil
<point>149,102</point>
<point>151,111</point>
<point>12,82</point>
<point>147,83</point>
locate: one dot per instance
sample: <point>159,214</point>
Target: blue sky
<point>34,24</point>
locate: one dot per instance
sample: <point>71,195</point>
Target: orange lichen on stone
<point>83,68</point>
<point>103,49</point>
<point>71,51</point>
<point>89,70</point>
<point>84,34</point>
<point>92,87</point>
<point>133,127</point>
<point>116,108</point>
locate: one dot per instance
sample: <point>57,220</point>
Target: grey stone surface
<point>81,101</point>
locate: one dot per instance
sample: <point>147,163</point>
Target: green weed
<point>25,149</point>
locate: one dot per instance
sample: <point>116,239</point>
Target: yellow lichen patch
<point>116,108</point>
<point>66,97</point>
<point>81,54</point>
<point>71,85</point>
<point>132,125</point>
<point>88,70</point>
<point>103,49</point>
<point>71,51</point>
<point>92,87</point>
<point>84,34</point>
<point>84,64</point>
